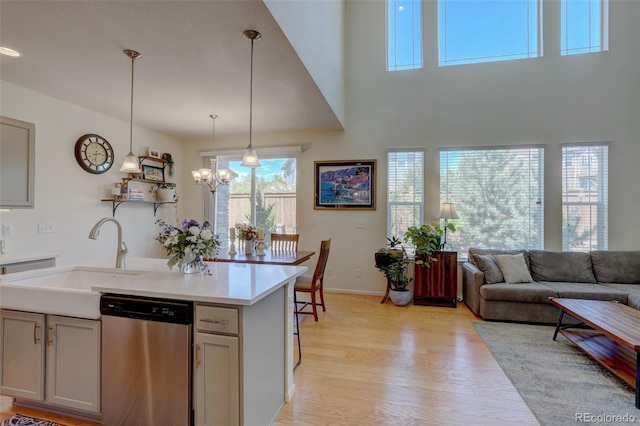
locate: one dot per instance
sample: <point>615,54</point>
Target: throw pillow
<point>513,268</point>
<point>487,264</point>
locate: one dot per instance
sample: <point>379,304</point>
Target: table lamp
<point>447,212</point>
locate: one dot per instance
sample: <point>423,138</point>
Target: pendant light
<point>250,157</point>
<point>208,176</point>
<point>131,164</point>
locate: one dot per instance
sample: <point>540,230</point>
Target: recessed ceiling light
<point>9,52</point>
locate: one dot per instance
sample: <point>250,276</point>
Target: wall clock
<point>94,153</point>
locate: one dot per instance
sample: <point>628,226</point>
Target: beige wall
<point>69,197</point>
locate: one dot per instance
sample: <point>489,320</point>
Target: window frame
<point>583,189</point>
<point>534,51</point>
<point>418,205</point>
<point>394,33</point>
<point>535,216</point>
<point>565,30</point>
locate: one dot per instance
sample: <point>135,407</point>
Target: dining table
<point>268,258</point>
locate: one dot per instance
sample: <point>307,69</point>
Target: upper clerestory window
<point>583,26</point>
<point>472,31</point>
<point>404,35</point>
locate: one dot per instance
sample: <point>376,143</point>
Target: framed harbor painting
<point>345,184</point>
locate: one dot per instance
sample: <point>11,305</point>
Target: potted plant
<point>167,157</point>
<point>394,268</point>
<point>426,239</point>
<point>165,192</point>
<point>393,248</point>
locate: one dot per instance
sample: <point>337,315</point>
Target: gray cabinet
<point>17,163</point>
<point>65,355</point>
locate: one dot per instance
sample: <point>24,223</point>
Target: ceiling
<point>195,62</point>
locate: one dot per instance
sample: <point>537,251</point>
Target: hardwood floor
<point>365,363</point>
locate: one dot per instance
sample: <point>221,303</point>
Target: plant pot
<point>165,195</point>
<point>400,298</point>
<point>382,259</point>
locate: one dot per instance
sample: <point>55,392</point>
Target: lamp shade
<point>250,158</point>
<point>448,211</point>
<point>130,164</point>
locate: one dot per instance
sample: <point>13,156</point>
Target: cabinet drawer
<point>216,319</point>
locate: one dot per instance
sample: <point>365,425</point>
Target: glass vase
<point>190,268</point>
<point>248,246</point>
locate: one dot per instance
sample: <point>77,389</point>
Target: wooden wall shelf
<point>116,203</point>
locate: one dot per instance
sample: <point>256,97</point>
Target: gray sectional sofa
<point>600,275</point>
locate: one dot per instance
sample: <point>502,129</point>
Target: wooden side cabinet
<point>437,285</point>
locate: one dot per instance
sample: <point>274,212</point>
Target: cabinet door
<point>217,380</point>
<point>22,355</point>
<point>73,363</point>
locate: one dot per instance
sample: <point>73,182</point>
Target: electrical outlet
<point>329,272</point>
<point>357,273</point>
<point>314,224</point>
<point>7,229</point>
<point>46,228</point>
<point>360,224</point>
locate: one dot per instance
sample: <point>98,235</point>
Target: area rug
<point>558,382</point>
<point>20,420</point>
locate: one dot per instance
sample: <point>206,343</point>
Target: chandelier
<point>212,177</point>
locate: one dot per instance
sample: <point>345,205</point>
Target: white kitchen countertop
<point>10,257</point>
<point>229,283</point>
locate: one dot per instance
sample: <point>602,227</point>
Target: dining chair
<point>284,242</point>
<point>314,284</point>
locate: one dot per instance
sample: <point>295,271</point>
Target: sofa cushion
<point>513,268</point>
<point>586,291</point>
<point>634,300</point>
<point>616,266</point>
<point>561,266</point>
<point>487,264</point>
<point>495,251</point>
<point>525,292</point>
<point>627,288</point>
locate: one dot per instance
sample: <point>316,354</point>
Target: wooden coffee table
<point>613,341</point>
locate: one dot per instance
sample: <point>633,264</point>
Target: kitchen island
<point>242,333</point>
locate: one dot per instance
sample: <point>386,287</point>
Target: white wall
<point>547,100</point>
<point>69,197</point>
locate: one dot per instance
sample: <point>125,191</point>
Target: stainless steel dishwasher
<point>146,361</point>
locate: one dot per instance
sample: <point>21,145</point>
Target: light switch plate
<point>7,229</point>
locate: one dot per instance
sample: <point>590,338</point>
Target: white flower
<point>206,234</point>
<point>194,230</point>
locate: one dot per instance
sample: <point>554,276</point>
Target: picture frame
<point>152,173</point>
<point>345,185</point>
<point>153,153</point>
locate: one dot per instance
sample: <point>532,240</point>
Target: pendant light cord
<point>133,60</point>
<point>251,99</point>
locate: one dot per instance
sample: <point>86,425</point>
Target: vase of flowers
<point>248,233</point>
<point>189,245</point>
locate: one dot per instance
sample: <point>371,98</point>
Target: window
<point>585,197</point>
<point>264,196</point>
<point>498,195</point>
<point>405,191</point>
<point>583,26</point>
<point>404,35</point>
<point>471,31</point>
